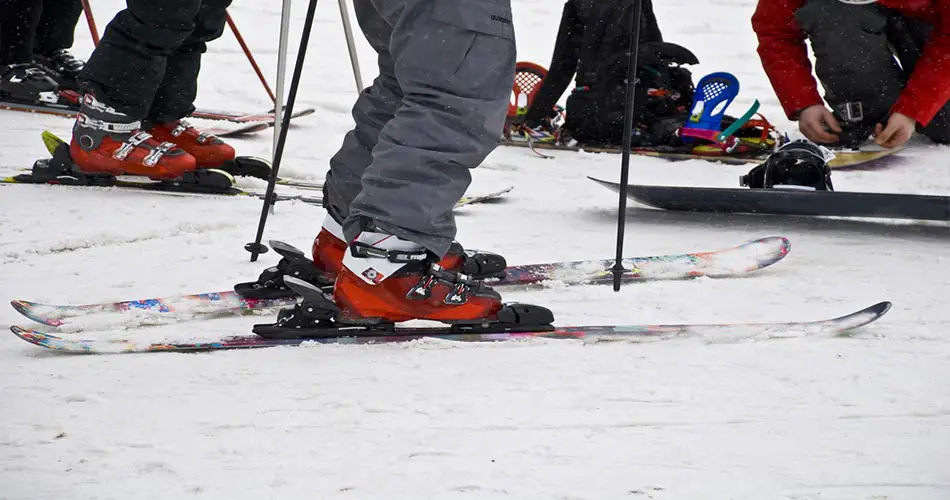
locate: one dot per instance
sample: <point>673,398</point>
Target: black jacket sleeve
<point>563,65</point>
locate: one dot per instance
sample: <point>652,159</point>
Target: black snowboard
<point>789,202</point>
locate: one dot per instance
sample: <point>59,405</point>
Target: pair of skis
<point>745,258</point>
<point>246,123</point>
<point>243,166</point>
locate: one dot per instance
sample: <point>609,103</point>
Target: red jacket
<point>785,57</point>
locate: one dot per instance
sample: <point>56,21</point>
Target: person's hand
<point>898,131</point>
<point>818,124</point>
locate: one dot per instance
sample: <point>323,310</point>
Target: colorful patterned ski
<point>598,333</point>
<point>748,257</point>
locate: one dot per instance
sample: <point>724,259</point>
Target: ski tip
<point>881,308</point>
<point>21,306</point>
<point>28,309</point>
<point>21,331</point>
<point>782,241</point>
<point>865,316</point>
<point>52,342</point>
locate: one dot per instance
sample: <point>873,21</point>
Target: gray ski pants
<point>436,110</point>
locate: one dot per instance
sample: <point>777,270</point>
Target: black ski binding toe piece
<point>313,317</point>
<point>210,180</point>
<point>248,166</point>
<point>60,170</point>
<point>270,284</point>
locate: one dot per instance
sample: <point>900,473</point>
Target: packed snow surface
<point>862,417</point>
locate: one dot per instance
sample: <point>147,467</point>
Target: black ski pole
<point>633,28</point>
<point>256,248</point>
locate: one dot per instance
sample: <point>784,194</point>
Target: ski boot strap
<point>111,127</point>
<point>203,138</point>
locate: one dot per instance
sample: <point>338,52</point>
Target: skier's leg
<point>454,61</point>
<point>20,78</point>
<point>908,37</point>
<point>853,58</point>
<point>176,94</point>
<point>376,105</point>
<point>57,25</point>
<point>18,21</point>
<point>54,38</point>
<point>121,79</point>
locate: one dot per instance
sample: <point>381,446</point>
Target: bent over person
<point>884,66</point>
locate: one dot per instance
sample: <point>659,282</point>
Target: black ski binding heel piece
<point>270,284</point>
<point>248,166</point>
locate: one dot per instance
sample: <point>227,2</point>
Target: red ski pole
<point>91,21</point>
<point>250,58</point>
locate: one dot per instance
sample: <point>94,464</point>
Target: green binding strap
<point>725,134</point>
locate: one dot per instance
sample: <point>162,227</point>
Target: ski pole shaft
<point>91,21</point>
<point>351,46</point>
<point>281,69</point>
<point>256,247</point>
<point>633,28</point>
<point>250,57</point>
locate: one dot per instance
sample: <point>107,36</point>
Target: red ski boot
<point>387,279</point>
<point>208,150</point>
<point>106,141</point>
<point>329,247</point>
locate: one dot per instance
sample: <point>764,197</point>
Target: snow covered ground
<point>866,417</point>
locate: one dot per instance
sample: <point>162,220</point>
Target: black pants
<point>854,59</point>
<point>41,26</point>
<point>18,20</point>
<point>147,63</point>
<point>57,25</point>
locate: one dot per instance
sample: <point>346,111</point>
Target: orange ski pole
<point>87,10</point>
<point>250,58</point>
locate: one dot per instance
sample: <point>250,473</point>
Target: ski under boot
<point>62,67</point>
<point>106,141</point>
<point>27,83</point>
<point>208,150</point>
<point>60,169</point>
<point>386,280</point>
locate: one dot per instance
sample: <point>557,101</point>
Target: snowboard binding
<point>704,132</point>
<point>317,316</point>
<point>797,165</point>
<point>294,263</point>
